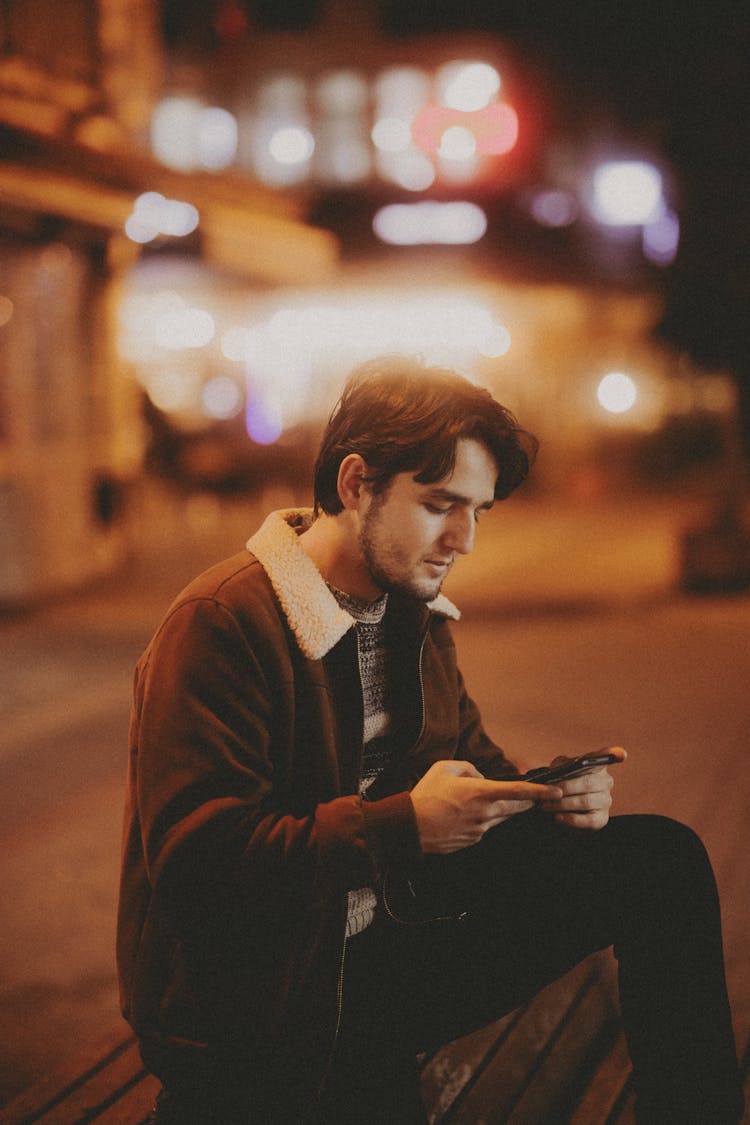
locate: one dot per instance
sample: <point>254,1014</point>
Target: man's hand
<point>455,805</point>
<point>586,799</point>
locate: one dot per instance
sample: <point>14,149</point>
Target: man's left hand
<point>586,799</point>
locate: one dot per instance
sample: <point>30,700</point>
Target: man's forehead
<point>473,476</point>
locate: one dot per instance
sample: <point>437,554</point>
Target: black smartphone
<point>548,775</point>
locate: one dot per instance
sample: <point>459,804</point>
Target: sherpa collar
<point>314,616</point>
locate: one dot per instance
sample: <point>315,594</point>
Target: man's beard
<point>395,577</point>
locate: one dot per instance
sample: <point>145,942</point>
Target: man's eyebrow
<point>446,494</point>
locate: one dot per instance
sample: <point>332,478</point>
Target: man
<point>328,865</point>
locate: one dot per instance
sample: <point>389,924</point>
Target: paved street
<point>574,636</point>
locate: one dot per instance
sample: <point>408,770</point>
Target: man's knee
<point>664,857</point>
<point>662,838</point>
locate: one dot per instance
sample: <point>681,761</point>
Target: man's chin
<point>423,591</point>
<point>418,591</point>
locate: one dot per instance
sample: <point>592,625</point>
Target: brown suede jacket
<point>243,827</point>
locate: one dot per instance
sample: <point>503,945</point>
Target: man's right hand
<point>455,805</point>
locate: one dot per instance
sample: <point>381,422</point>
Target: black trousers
<point>531,901</point>
<point>479,932</point>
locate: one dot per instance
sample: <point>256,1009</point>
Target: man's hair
<point>401,416</point>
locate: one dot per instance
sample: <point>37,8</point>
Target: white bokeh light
<point>467,86</point>
<point>391,134</point>
<point>291,144</point>
<point>617,393</point>
<point>184,327</point>
<point>221,398</point>
<point>627,193</point>
<point>414,224</point>
<point>217,138</point>
<point>457,143</point>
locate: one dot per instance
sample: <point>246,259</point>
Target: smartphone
<point>548,775</point>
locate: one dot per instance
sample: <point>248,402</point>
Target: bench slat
<point>134,1105</point>
<point>510,1068</point>
<point>39,1098</point>
<point>455,1066</point>
<point>87,1100</point>
<point>565,1066</point>
<point>561,1056</point>
<point>606,1087</point>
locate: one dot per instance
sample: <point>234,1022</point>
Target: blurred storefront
<point>207,221</point>
<point>77,90</point>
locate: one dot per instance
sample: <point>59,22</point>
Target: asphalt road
<point>561,658</point>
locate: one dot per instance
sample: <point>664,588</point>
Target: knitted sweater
<point>373,671</point>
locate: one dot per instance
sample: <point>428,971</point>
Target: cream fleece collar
<point>314,616</point>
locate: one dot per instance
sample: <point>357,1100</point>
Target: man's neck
<point>332,543</point>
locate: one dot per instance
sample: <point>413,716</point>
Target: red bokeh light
<point>495,128</point>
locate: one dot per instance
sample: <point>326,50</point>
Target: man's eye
<point>437,509</point>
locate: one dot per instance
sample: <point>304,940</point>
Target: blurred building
<point>209,211</point>
<point>78,85</point>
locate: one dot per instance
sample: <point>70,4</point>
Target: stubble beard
<point>388,571</point>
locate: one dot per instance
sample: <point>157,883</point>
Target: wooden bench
<point>107,1084</point>
<point>560,1060</point>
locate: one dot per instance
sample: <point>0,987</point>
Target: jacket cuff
<point>391,832</point>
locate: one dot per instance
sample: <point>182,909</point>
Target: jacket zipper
<point>340,980</point>
<point>337,1026</point>
<point>408,882</point>
<point>421,684</point>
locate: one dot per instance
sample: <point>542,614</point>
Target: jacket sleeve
<point>210,708</point>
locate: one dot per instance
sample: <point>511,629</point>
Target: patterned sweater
<point>373,671</point>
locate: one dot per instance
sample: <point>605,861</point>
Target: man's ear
<point>352,473</point>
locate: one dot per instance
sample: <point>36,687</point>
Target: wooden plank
<point>497,1085</point>
<point>565,1066</point>
<point>606,1087</point>
<point>101,1087</point>
<point>30,1104</point>
<point>135,1104</point>
<point>450,1069</point>
<point>625,1112</point>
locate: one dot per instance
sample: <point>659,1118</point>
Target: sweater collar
<point>312,612</point>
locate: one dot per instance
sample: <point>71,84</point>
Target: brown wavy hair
<point>401,415</point>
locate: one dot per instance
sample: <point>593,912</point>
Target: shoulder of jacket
<point>314,616</point>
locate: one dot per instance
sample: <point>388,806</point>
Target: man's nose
<point>459,534</point>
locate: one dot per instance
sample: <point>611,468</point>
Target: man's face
<point>412,533</point>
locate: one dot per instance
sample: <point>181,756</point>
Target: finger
<point>618,751</point>
<point>459,768</point>
<point>596,781</point>
<point>583,820</point>
<point>501,810</point>
<point>580,803</point>
<point>520,791</point>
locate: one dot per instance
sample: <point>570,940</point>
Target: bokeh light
<point>414,224</point>
<point>617,392</point>
<point>154,215</point>
<point>221,398</point>
<point>467,86</point>
<point>627,193</point>
<point>291,145</point>
<point>217,138</point>
<point>264,418</point>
